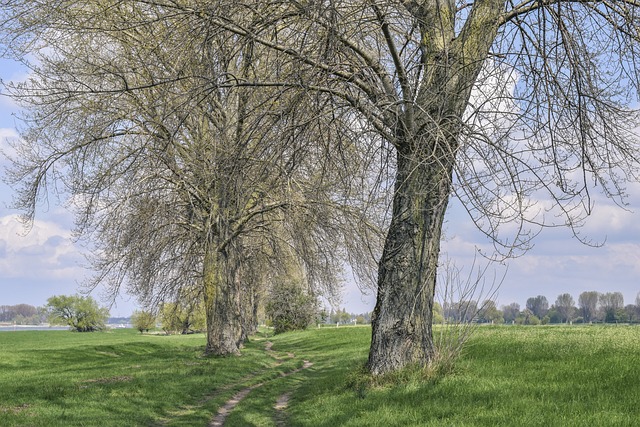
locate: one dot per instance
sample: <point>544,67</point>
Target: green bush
<point>290,307</point>
<point>143,321</point>
<point>82,314</point>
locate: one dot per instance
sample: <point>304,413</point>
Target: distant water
<point>51,328</point>
<point>32,328</point>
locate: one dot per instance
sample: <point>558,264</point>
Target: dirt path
<point>281,403</point>
<point>225,410</point>
<point>214,394</point>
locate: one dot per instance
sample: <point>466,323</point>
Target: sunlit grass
<point>59,378</point>
<point>506,376</point>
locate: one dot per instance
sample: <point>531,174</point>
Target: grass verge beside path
<point>509,375</point>
<point>119,378</point>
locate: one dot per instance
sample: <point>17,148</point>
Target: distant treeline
<point>22,314</point>
<point>591,307</point>
<point>341,316</point>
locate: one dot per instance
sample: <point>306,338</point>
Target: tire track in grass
<point>281,404</point>
<point>171,416</point>
<point>219,391</point>
<point>226,409</point>
<point>283,400</point>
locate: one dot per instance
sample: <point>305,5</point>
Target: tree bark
<point>222,302</point>
<point>426,143</point>
<point>402,317</point>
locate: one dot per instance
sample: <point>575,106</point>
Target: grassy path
<point>225,410</point>
<point>525,376</point>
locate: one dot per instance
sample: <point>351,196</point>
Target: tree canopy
<point>80,313</point>
<point>177,175</point>
<point>143,320</point>
<point>521,110</point>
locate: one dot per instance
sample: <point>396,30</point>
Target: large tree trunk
<point>426,144</point>
<point>402,317</point>
<point>222,302</point>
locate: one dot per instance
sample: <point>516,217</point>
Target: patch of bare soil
<point>225,410</point>
<point>281,404</point>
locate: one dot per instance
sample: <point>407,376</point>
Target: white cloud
<point>612,220</point>
<point>47,251</point>
<point>559,262</point>
<point>8,133</point>
<point>43,263</point>
<point>622,256</point>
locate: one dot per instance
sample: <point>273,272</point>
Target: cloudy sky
<point>46,262</point>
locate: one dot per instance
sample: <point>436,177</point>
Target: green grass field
<point>507,376</point>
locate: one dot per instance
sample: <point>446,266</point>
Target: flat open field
<point>508,376</point>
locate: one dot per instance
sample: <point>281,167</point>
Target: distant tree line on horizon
<point>22,314</point>
<point>80,313</point>
<point>591,307</point>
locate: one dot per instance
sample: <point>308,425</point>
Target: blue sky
<point>46,262</point>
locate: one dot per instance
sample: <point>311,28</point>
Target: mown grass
<point>507,376</point>
<point>120,378</point>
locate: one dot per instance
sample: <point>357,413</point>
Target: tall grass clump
<point>457,296</point>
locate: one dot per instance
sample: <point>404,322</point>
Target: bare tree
<point>519,109</point>
<point>502,104</point>
<point>178,174</point>
<point>490,313</point>
<point>588,304</point>
<point>538,306</point>
<point>565,306</point>
<point>611,303</point>
<point>511,312</point>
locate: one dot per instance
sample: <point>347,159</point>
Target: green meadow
<point>506,376</point>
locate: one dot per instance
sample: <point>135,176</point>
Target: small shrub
<point>533,320</point>
<point>143,321</point>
